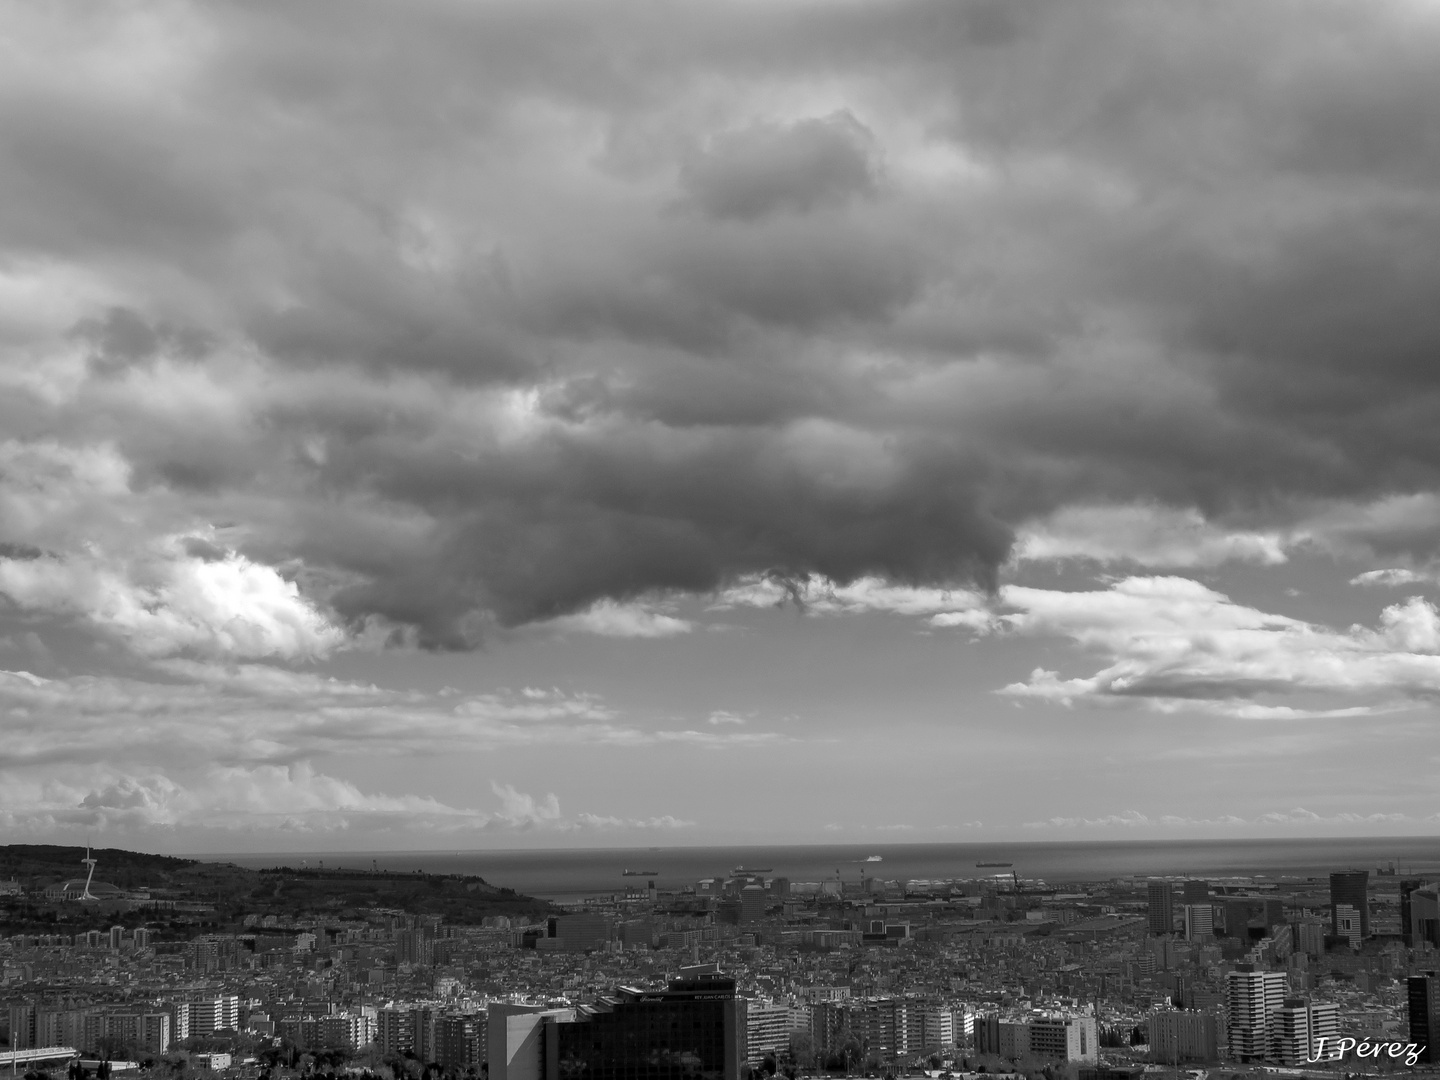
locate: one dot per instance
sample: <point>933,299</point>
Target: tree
<point>115,1048</point>
<point>802,1048</point>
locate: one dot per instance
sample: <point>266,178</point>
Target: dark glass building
<point>1425,1014</point>
<point>1350,887</point>
<point>1406,930</point>
<point>1160,897</point>
<point>695,1030</point>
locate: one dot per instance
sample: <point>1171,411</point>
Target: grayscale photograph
<point>661,540</point>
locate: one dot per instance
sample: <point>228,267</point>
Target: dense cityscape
<point>746,973</point>
<point>506,494</point>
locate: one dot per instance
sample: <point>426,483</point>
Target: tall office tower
<point>1406,888</point>
<point>1162,907</point>
<point>1250,998</point>
<point>1199,922</point>
<point>1424,916</point>
<point>117,937</point>
<point>1347,924</point>
<point>752,903</point>
<point>696,1028</point>
<point>1195,892</point>
<point>1425,1014</point>
<point>1350,887</point>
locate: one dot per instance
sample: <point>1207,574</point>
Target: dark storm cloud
<point>768,168</point>
<point>491,311</point>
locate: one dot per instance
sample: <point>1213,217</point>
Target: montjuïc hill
<point>132,881</point>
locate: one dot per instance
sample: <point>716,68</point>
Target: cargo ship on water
<point>639,873</point>
<point>1007,864</point>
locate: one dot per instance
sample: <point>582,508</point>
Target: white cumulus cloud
<point>608,618</point>
<point>1144,535</point>
<point>1176,643</point>
<point>169,601</point>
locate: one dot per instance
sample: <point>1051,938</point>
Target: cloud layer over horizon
<point>342,328</point>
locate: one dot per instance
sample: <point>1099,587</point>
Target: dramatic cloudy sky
<point>454,424</point>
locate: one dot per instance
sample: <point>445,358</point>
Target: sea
<point>573,875</point>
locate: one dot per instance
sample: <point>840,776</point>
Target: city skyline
<point>509,425</point>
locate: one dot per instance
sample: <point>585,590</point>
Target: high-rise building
<point>636,933</point>
<point>1165,953</point>
<point>1424,1002</point>
<point>117,937</point>
<point>1350,887</point>
<point>202,955</point>
<point>1407,887</point>
<point>205,1016</point>
<point>1250,998</point>
<point>414,947</point>
<point>1310,937</point>
<point>22,1027</point>
<point>460,1042</point>
<point>752,903</point>
<point>1199,922</point>
<point>1057,1038</point>
<point>1064,1038</point>
<point>1423,915</point>
<point>1324,1024</point>
<point>1195,892</point>
<point>142,1031</point>
<point>1347,923</point>
<point>936,1024</point>
<point>584,932</point>
<point>881,1023</point>
<point>1161,897</point>
<point>1297,1028</point>
<point>352,1029</point>
<point>767,1029</point>
<point>1184,1035</point>
<point>1007,1038</point>
<point>406,1030</point>
<point>518,1041</point>
<point>696,1028</point>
